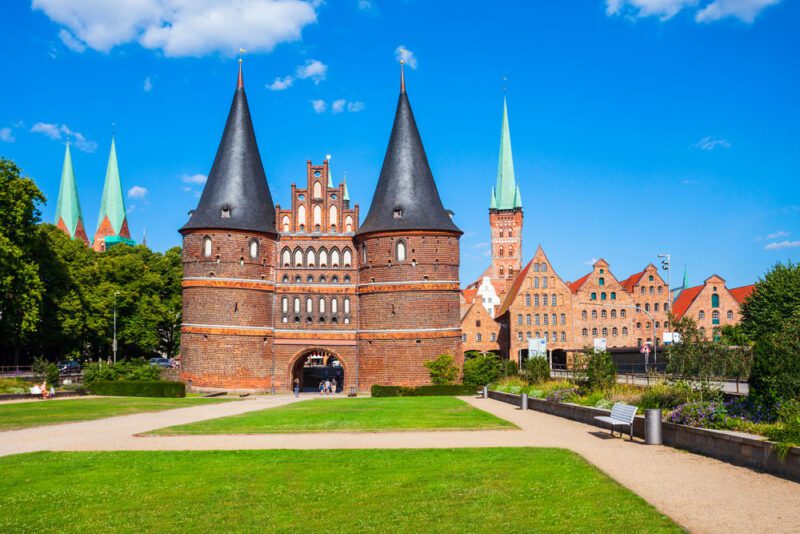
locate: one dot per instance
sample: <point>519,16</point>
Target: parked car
<point>161,362</point>
<point>70,367</point>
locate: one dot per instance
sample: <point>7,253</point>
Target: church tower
<point>229,246</point>
<point>505,216</point>
<point>408,282</point>
<point>112,221</point>
<point>69,217</point>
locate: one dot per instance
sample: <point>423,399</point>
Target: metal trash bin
<point>652,427</point>
<point>523,401</point>
<point>485,392</point>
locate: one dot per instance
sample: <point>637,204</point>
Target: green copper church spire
<point>346,193</point>
<point>506,192</point>
<point>113,203</point>
<point>68,210</point>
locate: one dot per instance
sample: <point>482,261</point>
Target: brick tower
<point>408,281</point>
<point>112,221</point>
<point>229,255</point>
<point>505,216</point>
<point>69,217</point>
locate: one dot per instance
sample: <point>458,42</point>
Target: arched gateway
<point>316,365</point>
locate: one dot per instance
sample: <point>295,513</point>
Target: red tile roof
<point>684,300</point>
<point>513,290</point>
<point>741,293</point>
<point>577,284</point>
<point>629,283</point>
<point>469,294</point>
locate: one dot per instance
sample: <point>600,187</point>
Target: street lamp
<point>665,264</point>
<point>114,346</point>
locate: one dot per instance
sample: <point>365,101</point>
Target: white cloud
<point>355,107</point>
<point>365,5</point>
<point>137,192</point>
<point>6,135</point>
<point>406,55</point>
<point>314,69</point>
<point>590,262</point>
<point>57,132</point>
<point>338,105</point>
<point>194,178</point>
<point>781,244</point>
<point>710,143</point>
<point>148,85</point>
<point>319,106</point>
<point>705,11</point>
<point>281,84</point>
<point>180,27</point>
<point>776,235</point>
<point>744,10</point>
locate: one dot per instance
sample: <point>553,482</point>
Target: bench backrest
<point>623,412</point>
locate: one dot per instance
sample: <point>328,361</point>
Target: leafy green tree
<point>442,369</point>
<point>482,370</point>
<point>776,366</point>
<point>537,370</point>
<point>601,373</point>
<point>20,286</point>
<point>775,299</point>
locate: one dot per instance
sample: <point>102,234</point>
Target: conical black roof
<point>236,195</point>
<point>406,197</point>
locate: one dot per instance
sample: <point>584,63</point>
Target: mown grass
<point>421,490</point>
<point>342,415</point>
<point>27,414</point>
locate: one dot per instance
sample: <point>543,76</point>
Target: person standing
<point>333,387</point>
<point>296,387</point>
<point>321,387</point>
<point>327,386</point>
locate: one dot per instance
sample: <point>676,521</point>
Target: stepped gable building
<point>69,217</point>
<point>712,305</point>
<point>274,294</point>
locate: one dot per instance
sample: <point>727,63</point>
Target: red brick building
<point>272,294</point>
<point>712,305</point>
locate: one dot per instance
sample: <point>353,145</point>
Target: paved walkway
<point>701,494</point>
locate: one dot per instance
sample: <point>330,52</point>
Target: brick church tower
<point>229,255</point>
<point>408,266</point>
<point>505,216</point>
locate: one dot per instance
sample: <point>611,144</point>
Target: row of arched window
<point>714,315</point>
<point>656,306</point>
<point>603,314</point>
<point>544,319</point>
<point>323,307</point>
<point>544,301</point>
<point>536,282</point>
<point>253,248</point>
<point>547,336</point>
<point>540,267</point>
<point>604,296</point>
<point>604,331</point>
<point>479,337</point>
<point>651,289</point>
<point>510,232</point>
<point>316,220</point>
<point>510,252</point>
<point>510,271</point>
<point>310,279</point>
<point>647,325</point>
<point>316,258</point>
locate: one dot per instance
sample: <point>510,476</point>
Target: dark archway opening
<point>315,366</point>
<point>559,358</point>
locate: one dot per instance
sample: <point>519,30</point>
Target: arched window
<point>333,216</point>
<point>348,224</point>
<point>639,325</point>
<point>544,267</point>
<point>702,332</point>
<point>594,314</point>
<point>536,300</point>
<point>502,271</point>
<point>535,281</point>
<point>287,258</point>
<point>528,319</point>
<point>614,331</point>
<point>537,319</point>
<point>601,281</point>
<point>730,315</point>
<point>594,296</point>
<point>527,299</point>
<point>334,279</point>
<point>317,190</point>
<point>317,217</point>
<point>603,295</point>
<point>321,305</point>
<point>310,279</point>
<point>510,233</point>
<point>544,300</point>
<point>553,319</point>
<point>544,282</point>
<point>622,314</point>
<point>660,290</point>
<point>335,258</point>
<point>401,251</point>
<point>644,289</point>
<point>613,295</point>
<point>603,314</point>
<point>285,279</point>
<point>613,314</point>
<point>563,318</point>
<point>545,319</point>
<point>501,252</point>
<point>510,252</point>
<point>546,336</point>
<point>501,232</point>
<point>715,316</point>
<point>285,305</point>
<point>301,216</point>
<point>715,300</point>
<point>322,279</point>
<point>309,305</point>
<point>563,336</point>
<point>347,279</point>
<point>519,318</point>
<point>535,266</point>
<point>584,315</point>
<point>298,258</point>
<point>651,290</point>
<point>297,304</point>
<point>311,258</point>
<point>624,330</point>
<point>605,332</point>
<point>298,279</point>
<point>347,258</point>
<point>323,257</point>
<point>584,332</point>
<point>347,305</point>
<point>553,300</point>
<point>594,332</point>
<point>701,314</point>
<point>285,224</point>
<point>207,246</point>
<point>493,337</point>
<point>334,305</point>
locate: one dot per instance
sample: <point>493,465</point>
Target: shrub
<point>661,396</point>
<point>138,388</point>
<point>702,414</point>
<point>563,395</point>
<point>776,368</point>
<point>537,370</point>
<point>444,390</point>
<point>44,370</point>
<point>787,432</point>
<point>14,385</point>
<point>601,373</point>
<point>127,370</point>
<point>482,370</point>
<point>442,369</point>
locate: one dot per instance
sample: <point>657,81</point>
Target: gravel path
<point>701,494</point>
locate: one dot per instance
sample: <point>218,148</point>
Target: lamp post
<point>114,346</point>
<point>665,264</point>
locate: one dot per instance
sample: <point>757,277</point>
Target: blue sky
<point>638,126</point>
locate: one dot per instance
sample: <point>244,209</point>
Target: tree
<point>775,299</point>
<point>776,366</point>
<point>20,287</point>
<point>482,370</point>
<point>442,369</point>
<point>601,373</point>
<point>537,369</point>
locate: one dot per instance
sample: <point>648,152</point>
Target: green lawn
<point>27,414</point>
<point>341,415</point>
<point>423,490</point>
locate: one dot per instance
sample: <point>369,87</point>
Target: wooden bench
<point>622,415</point>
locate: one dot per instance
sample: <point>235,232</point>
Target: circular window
<point>333,197</point>
<point>316,173</point>
<point>301,197</point>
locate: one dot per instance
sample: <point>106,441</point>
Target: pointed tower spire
<point>517,198</point>
<point>112,221</point>
<point>330,174</point>
<point>236,194</point>
<point>346,192</point>
<point>505,189</point>
<point>69,217</point>
<point>493,204</point>
<point>406,197</point>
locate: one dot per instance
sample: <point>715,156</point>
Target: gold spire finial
<point>402,77</point>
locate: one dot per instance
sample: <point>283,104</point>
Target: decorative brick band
<point>226,330</point>
<point>316,289</point>
<point>316,335</point>
<point>412,333</point>
<point>407,286</point>
<point>229,283</point>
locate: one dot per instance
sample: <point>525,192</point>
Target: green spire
<point>330,175</point>
<point>517,198</point>
<point>68,208</point>
<point>113,203</point>
<point>506,191</point>
<point>346,193</point>
<point>493,205</point>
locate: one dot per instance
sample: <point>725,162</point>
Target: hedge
<point>138,388</point>
<point>422,391</point>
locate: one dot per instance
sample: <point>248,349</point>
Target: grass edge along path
<point>16,416</point>
<point>351,415</point>
<point>399,490</point>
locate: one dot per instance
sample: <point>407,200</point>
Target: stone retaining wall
<point>733,447</point>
